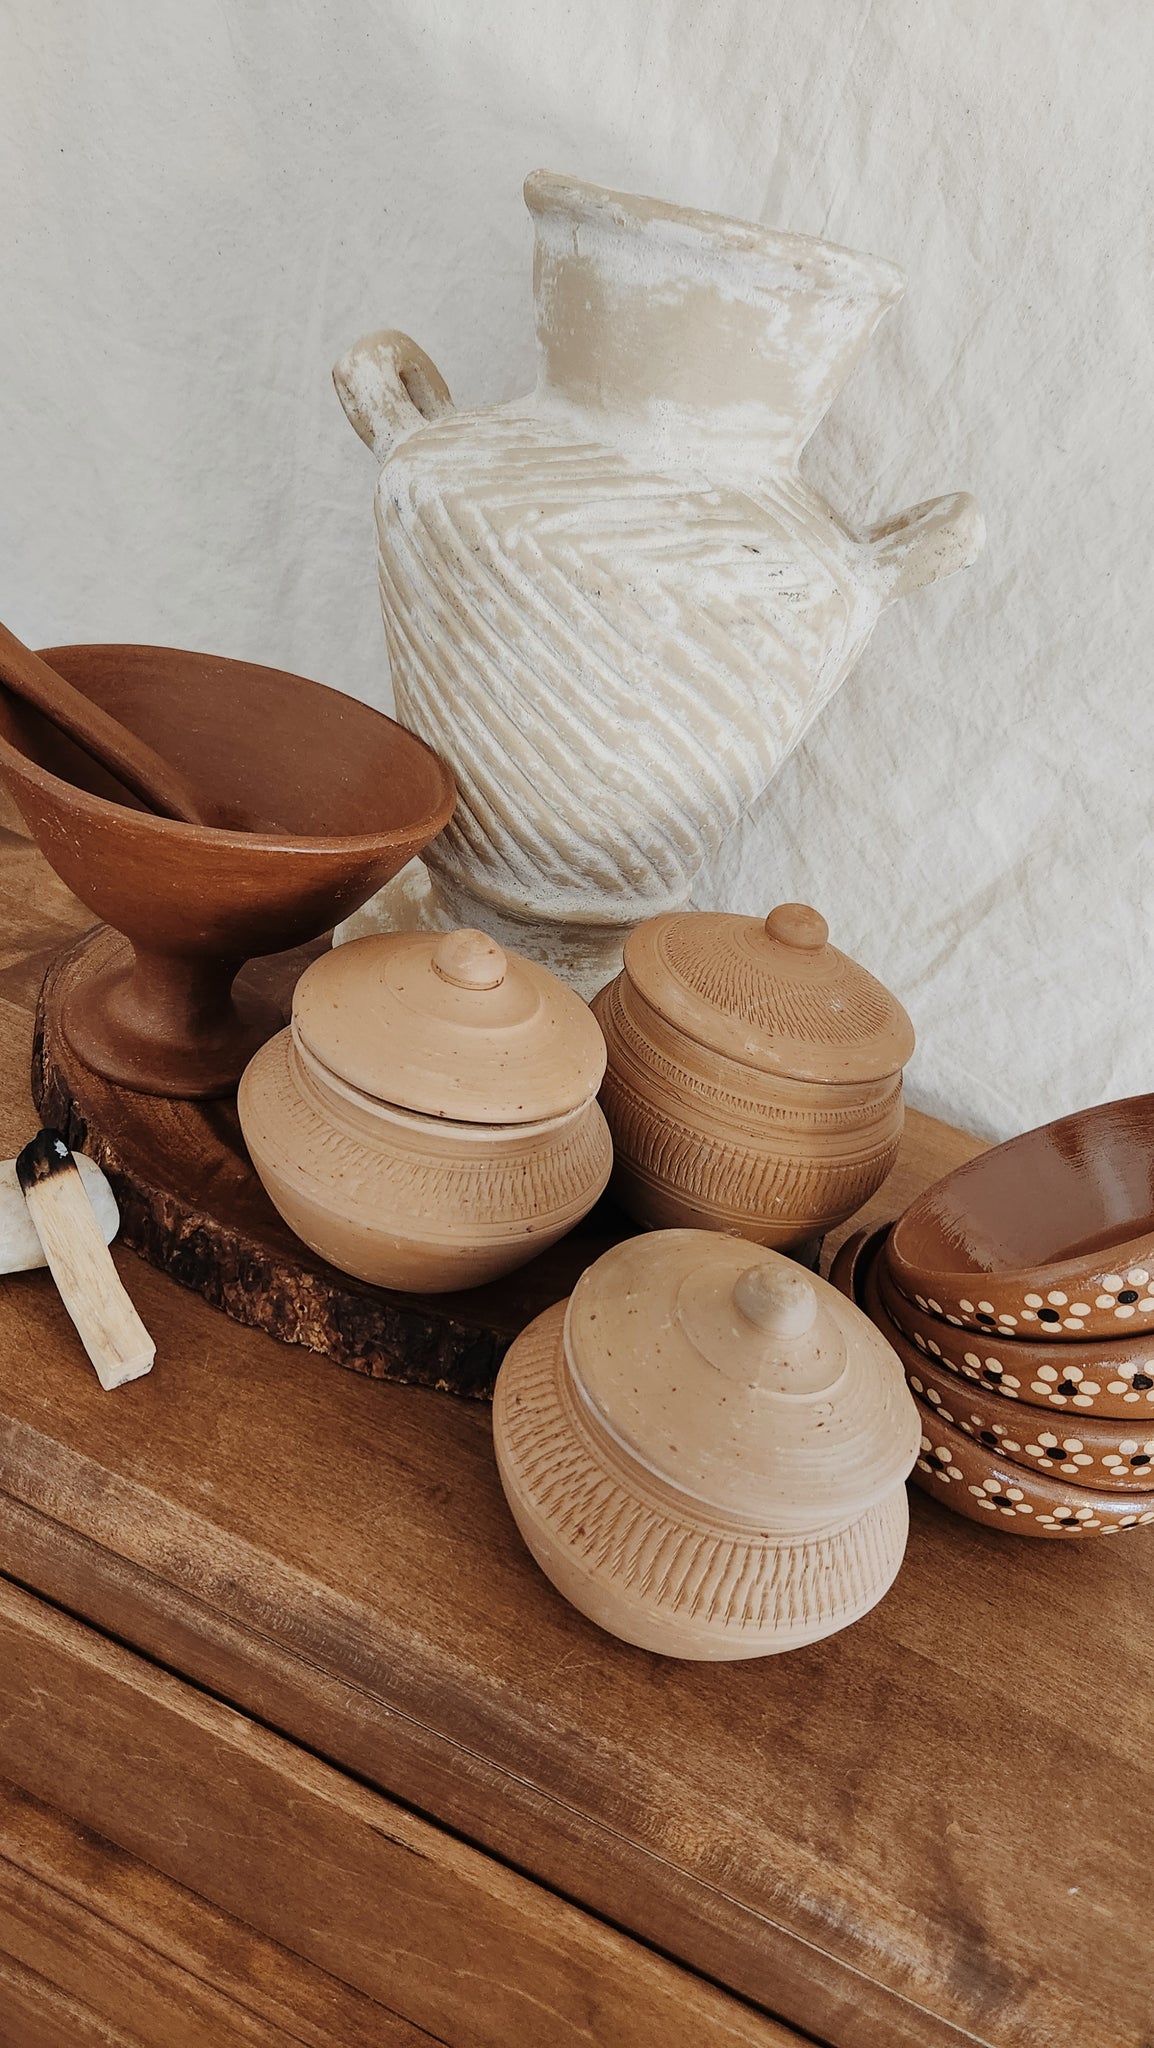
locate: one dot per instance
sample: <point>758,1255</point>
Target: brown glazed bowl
<point>1048,1236</point>
<point>987,1487</point>
<point>1090,1452</point>
<point>1110,1377</point>
<point>319,800</point>
<point>852,1259</point>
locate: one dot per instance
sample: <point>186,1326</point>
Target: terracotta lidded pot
<point>754,1082</point>
<point>705,1449</point>
<point>429,1120</point>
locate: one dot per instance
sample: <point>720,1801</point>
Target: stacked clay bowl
<point>1019,1296</point>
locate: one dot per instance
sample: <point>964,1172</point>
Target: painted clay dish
<point>317,800</point>
<point>1050,1236</point>
<point>754,1076</point>
<point>492,1146</point>
<point>1111,1377</point>
<point>705,1449</point>
<point>1090,1453</point>
<point>990,1488</point>
<point>1091,1450</point>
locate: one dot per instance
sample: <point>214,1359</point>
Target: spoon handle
<point>155,781</point>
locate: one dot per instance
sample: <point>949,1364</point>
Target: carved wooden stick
<point>80,1262</point>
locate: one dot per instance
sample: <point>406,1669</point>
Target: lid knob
<point>795,924</point>
<point>780,1304</point>
<point>469,959</point>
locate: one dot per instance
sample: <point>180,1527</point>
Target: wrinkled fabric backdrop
<point>204,203</point>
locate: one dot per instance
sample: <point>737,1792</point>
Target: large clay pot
<point>705,1451</point>
<point>614,606</point>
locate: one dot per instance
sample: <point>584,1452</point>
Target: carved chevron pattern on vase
<point>613,660</point>
<point>680,1561</point>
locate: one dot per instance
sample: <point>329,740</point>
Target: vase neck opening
<point>693,329</point>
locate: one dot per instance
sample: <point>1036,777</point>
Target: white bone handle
<point>924,544</point>
<point>388,387</point>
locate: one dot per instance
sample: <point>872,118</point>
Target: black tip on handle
<point>47,1154</point>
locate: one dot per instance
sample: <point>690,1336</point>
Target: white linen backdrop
<point>204,202</point>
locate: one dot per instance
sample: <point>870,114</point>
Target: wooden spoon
<point>155,781</point>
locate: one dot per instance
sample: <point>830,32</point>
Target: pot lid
<point>740,1379</point>
<point>772,993</point>
<point>450,1025</point>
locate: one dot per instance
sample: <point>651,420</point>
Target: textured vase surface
<point>614,606</point>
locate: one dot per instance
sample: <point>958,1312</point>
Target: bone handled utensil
<point>138,766</point>
<point>20,1249</point>
<point>80,1262</point>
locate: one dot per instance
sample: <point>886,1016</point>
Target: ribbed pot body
<point>702,1142</point>
<point>413,1202</point>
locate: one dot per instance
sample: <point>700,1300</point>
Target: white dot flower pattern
<point>1113,1299</point>
<point>1101,1460</point>
<point>1107,1388</point>
<point>999,1500</point>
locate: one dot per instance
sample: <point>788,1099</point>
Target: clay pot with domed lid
<point>429,1120</point>
<point>754,1082</point>
<point>705,1450</point>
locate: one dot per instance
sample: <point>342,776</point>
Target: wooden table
<point>298,1746</point>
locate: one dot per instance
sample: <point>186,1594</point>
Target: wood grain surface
<point>114,1933</point>
<point>467,1951</point>
<point>929,1829</point>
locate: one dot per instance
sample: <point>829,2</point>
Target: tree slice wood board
<point>191,1204</point>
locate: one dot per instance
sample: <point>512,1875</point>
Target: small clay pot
<point>705,1449</point>
<point>429,1120</point>
<point>1106,1378</point>
<point>988,1487</point>
<point>316,799</point>
<point>1048,1237</point>
<point>754,1076</point>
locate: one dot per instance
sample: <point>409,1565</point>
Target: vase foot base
<point>584,956</point>
<point>100,1024</point>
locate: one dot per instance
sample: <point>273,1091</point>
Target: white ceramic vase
<point>614,606</point>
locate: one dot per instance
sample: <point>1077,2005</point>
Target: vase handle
<point>925,543</point>
<point>388,387</point>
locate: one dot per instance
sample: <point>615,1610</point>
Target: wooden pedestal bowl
<point>316,801</point>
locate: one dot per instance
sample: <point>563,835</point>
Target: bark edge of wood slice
<point>192,1206</point>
